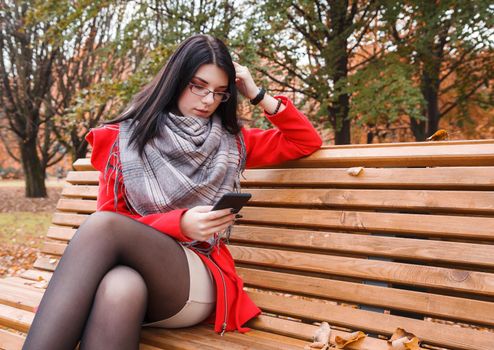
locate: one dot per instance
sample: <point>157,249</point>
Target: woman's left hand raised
<point>244,81</point>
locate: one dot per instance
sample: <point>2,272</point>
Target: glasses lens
<point>223,97</point>
<point>198,90</point>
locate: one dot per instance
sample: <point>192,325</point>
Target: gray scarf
<point>192,161</point>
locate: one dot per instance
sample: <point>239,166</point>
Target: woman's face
<point>208,76</point>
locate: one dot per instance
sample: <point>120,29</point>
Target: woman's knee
<point>122,286</point>
<point>100,224</point>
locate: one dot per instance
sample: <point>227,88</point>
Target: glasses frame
<point>224,96</point>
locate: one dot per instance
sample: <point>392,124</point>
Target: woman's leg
<point>117,312</point>
<point>104,241</point>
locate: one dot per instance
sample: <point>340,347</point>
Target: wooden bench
<point>407,243</point>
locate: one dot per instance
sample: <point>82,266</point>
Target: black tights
<point>115,274</point>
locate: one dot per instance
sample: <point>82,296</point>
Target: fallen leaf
<point>356,171</point>
<point>439,135</point>
<point>320,338</point>
<point>405,344</point>
<point>342,342</point>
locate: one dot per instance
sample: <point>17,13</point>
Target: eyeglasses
<point>203,92</point>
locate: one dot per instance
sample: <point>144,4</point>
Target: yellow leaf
<point>341,342</point>
<point>439,135</point>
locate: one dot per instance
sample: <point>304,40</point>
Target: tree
<point>444,40</point>
<point>26,76</point>
<point>308,46</point>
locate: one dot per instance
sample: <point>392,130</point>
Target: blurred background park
<point>362,71</point>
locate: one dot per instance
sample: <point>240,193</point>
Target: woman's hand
<point>200,223</point>
<point>244,81</point>
<point>247,87</point>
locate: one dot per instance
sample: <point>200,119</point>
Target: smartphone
<point>232,200</point>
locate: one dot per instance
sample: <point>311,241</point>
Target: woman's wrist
<point>270,105</point>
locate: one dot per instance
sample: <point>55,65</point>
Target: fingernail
<point>238,216</point>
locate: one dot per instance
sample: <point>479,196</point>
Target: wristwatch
<point>259,97</point>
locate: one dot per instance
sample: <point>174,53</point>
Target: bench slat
<point>441,178</point>
<point>432,333</point>
<point>392,247</point>
<point>405,154</point>
<point>424,225</point>
<point>306,331</point>
<point>430,200</point>
<point>11,341</point>
<point>203,337</point>
<point>15,318</point>
<point>425,200</point>
<point>463,227</point>
<point>80,191</point>
<point>439,306</point>
<point>60,233</point>
<point>427,276</point>
<point>77,205</point>
<point>19,296</point>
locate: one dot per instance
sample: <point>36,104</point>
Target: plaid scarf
<point>193,161</point>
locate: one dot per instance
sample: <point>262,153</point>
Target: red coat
<point>293,138</point>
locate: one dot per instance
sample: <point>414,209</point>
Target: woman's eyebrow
<point>206,82</point>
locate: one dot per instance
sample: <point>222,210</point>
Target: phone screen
<point>232,200</point>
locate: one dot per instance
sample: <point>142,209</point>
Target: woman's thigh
<point>157,257</point>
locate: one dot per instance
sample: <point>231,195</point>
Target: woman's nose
<point>208,99</point>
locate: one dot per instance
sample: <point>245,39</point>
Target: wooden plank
<point>463,227</point>
<point>438,153</point>
<point>438,334</point>
<point>80,191</point>
<point>453,178</point>
<point>19,297</point>
<point>440,306</point>
<point>481,202</point>
<point>53,248</point>
<point>65,219</point>
<point>392,247</point>
<point>14,318</point>
<point>76,205</point>
<point>481,283</point>
<point>60,233</point>
<point>36,275</point>
<point>83,177</point>
<point>10,340</point>
<point>401,154</point>
<point>48,263</point>
<point>306,331</point>
<point>206,338</point>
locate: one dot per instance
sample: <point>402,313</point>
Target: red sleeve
<point>293,137</point>
<point>102,139</point>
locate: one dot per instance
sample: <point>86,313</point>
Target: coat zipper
<point>223,326</point>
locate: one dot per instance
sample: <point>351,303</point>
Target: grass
<point>24,228</point>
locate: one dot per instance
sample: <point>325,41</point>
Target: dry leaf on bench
<point>405,344</point>
<point>355,171</point>
<point>341,342</point>
<point>403,340</point>
<point>321,338</point>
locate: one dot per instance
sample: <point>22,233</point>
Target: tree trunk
<point>430,93</point>
<point>418,129</point>
<point>33,171</point>
<point>340,107</point>
<point>338,58</point>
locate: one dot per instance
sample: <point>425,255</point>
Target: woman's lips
<point>201,111</point>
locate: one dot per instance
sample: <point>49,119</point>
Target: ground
<point>23,225</point>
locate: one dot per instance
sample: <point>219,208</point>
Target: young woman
<point>152,254</point>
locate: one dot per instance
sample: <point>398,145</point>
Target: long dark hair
<point>162,93</point>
